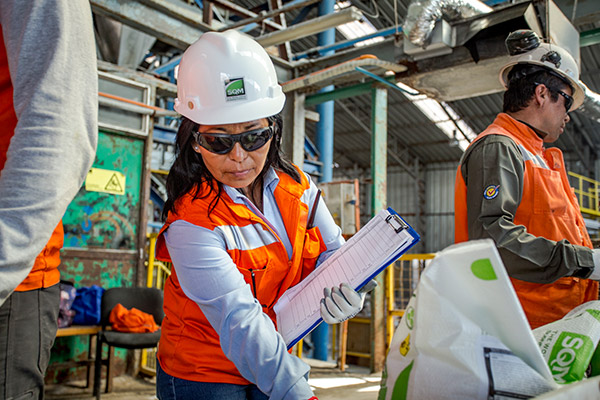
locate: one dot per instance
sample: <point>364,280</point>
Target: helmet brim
<point>232,114</point>
<point>578,90</point>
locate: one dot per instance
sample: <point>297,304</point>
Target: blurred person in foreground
<point>48,136</point>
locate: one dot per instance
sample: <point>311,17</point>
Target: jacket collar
<point>270,181</point>
<point>520,129</point>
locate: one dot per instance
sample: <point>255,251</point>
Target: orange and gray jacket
<point>48,132</point>
<point>219,322</point>
<point>512,190</point>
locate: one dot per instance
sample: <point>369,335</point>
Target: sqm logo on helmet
<point>235,89</point>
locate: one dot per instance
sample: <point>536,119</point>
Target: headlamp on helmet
<point>528,55</point>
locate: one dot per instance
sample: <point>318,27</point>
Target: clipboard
<point>375,246</point>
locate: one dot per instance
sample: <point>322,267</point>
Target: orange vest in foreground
<point>45,268</point>
<point>548,209</point>
<point>189,347</point>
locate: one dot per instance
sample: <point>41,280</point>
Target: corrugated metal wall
<point>439,217</point>
<point>437,225</point>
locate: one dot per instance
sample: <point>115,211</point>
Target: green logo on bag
<point>483,269</point>
<point>594,313</point>
<point>400,390</point>
<point>235,89</point>
<point>410,317</point>
<point>567,360</point>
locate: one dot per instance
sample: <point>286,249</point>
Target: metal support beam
<point>239,10</point>
<point>342,93</point>
<point>589,38</point>
<point>294,133</point>
<point>378,202</point>
<point>263,16</point>
<point>311,27</point>
<point>285,51</point>
<point>420,205</point>
<point>174,23</point>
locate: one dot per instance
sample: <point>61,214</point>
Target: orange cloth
<point>189,347</point>
<point>542,188</point>
<point>134,320</point>
<point>45,268</point>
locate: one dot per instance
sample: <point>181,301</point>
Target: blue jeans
<point>170,388</point>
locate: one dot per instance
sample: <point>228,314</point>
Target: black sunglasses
<point>222,143</point>
<point>568,99</point>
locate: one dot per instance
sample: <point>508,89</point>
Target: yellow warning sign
<point>105,180</point>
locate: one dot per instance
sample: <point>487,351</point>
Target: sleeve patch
<point>491,191</point>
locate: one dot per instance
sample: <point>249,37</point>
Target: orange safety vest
<point>45,268</point>
<point>548,209</point>
<point>189,347</point>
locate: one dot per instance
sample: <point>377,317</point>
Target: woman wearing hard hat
<point>236,232</point>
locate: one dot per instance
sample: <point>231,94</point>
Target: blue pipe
<point>320,335</point>
<point>320,51</point>
<point>167,67</point>
<point>385,82</point>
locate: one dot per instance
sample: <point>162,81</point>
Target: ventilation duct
<point>422,16</point>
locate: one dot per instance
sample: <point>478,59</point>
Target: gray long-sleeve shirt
<point>52,61</point>
<point>496,159</point>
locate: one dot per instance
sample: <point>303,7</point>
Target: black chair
<point>148,300</point>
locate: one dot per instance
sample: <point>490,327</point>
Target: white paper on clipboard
<point>376,245</point>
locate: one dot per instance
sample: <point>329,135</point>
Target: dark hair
<point>189,171</point>
<point>522,81</point>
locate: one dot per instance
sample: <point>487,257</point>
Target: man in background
<point>48,137</point>
<point>513,190</point>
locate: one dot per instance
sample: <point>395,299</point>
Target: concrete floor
<point>328,382</point>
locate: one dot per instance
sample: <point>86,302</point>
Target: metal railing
<point>401,281</point>
<point>157,274</point>
<point>586,190</point>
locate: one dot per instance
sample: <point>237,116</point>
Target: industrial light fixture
<point>311,27</point>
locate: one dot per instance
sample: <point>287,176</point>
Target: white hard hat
<point>553,58</point>
<point>227,78</point>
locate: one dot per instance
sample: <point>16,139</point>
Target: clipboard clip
<point>396,223</point>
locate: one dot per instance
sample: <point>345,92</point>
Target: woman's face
<point>237,168</point>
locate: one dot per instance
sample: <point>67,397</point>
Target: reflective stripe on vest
<point>553,216</point>
<point>189,347</point>
<point>247,237</point>
<point>529,156</point>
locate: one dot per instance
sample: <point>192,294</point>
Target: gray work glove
<point>340,304</point>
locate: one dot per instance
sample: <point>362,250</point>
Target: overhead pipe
<point>336,70</point>
<point>423,14</point>
<point>322,24</point>
<point>324,139</point>
<point>123,103</point>
<point>319,51</point>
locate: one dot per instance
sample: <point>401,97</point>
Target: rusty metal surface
<point>102,242</point>
<point>97,220</point>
